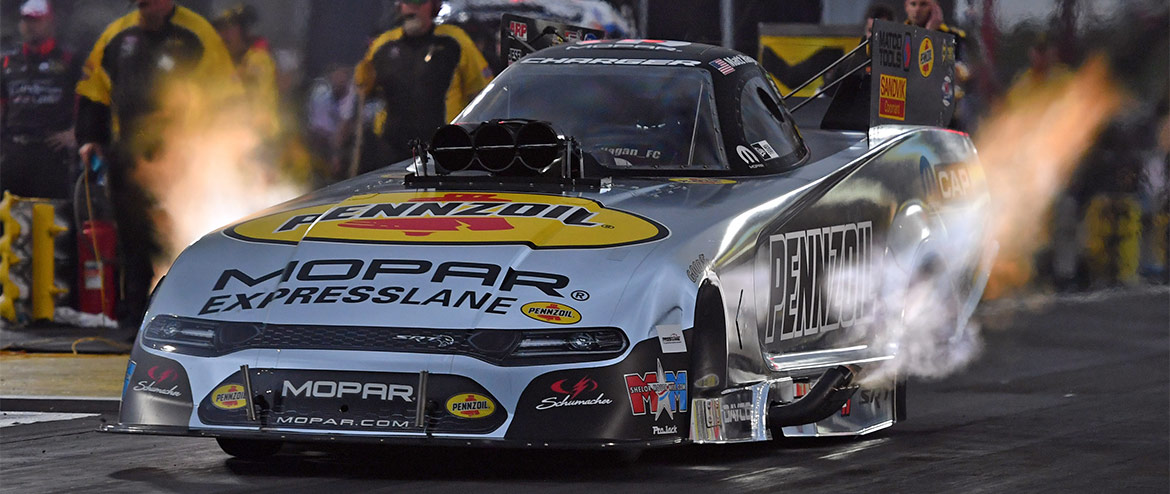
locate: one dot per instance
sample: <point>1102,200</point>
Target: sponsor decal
<point>892,97</point>
<point>129,371</point>
<point>808,293</point>
<point>894,50</point>
<point>343,389</point>
<point>657,391</point>
<point>948,91</point>
<point>229,397</point>
<point>519,30</point>
<point>671,338</point>
<point>569,394</point>
<point>476,218</point>
<point>707,382</point>
<point>305,420</point>
<point>514,54</point>
<point>703,181</point>
<point>697,268</point>
<point>440,341</point>
<point>658,431</point>
<point>572,35</point>
<point>949,181</point>
<point>748,156</point>
<point>614,61</point>
<point>470,406</point>
<point>764,149</point>
<point>736,412</point>
<point>373,276</point>
<point>160,377</point>
<point>551,312</point>
<point>926,57</point>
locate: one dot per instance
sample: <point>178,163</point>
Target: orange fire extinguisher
<point>97,251</point>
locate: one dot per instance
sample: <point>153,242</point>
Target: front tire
<point>248,449</point>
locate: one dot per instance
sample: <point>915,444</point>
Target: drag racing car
<point>617,244</point>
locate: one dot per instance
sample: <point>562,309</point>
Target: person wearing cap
<point>425,73</point>
<point>122,119</point>
<point>36,109</point>
<point>254,64</point>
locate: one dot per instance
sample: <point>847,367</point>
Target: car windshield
<point>628,117</point>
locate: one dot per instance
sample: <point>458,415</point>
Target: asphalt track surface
<point>1070,395</point>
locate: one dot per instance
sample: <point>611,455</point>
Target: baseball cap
<point>35,8</point>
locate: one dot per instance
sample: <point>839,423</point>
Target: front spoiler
<point>333,437</point>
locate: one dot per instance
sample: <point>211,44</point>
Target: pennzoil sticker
<point>470,406</point>
<point>470,218</point>
<point>551,312</point>
<point>229,397</point>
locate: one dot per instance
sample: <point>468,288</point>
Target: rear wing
<point>520,36</point>
<point>903,75</point>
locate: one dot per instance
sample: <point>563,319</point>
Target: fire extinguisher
<point>97,252</point>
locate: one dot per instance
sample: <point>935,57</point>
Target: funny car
<point>617,244</point>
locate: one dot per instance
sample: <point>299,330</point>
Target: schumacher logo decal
<point>892,97</point>
<point>539,221</point>
<point>551,312</point>
<point>470,406</point>
<point>821,280</point>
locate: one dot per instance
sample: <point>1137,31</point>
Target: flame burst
<point>1028,149</point>
<point>214,168</point>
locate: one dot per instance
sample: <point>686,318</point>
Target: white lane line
<point>9,419</point>
<point>860,447</point>
<point>760,475</point>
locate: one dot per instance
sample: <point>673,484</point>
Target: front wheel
<point>248,449</point>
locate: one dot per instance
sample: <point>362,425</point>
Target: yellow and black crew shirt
<point>425,80</point>
<point>130,66</point>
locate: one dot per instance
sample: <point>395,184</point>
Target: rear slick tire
<point>248,449</point>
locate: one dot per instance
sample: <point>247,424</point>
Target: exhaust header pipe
<point>826,398</point>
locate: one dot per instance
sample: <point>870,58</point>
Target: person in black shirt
<point>121,117</point>
<point>425,73</point>
<point>36,110</point>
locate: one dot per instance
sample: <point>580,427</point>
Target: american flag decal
<point>722,66</point>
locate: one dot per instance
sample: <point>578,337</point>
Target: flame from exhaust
<point>1028,150</point>
<point>211,169</point>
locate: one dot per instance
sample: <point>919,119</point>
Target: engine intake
<point>501,147</point>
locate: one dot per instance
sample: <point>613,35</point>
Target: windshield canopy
<point>636,118</point>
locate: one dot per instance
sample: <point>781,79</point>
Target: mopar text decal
<point>287,420</point>
<point>380,281</point>
<point>820,280</point>
<point>539,221</point>
<point>341,389</point>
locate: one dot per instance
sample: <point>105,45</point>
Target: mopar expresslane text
<point>373,281</point>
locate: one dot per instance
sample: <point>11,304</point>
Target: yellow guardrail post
<point>7,258</point>
<point>44,288</point>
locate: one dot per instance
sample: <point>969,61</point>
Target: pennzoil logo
<point>229,397</point>
<point>551,312</point>
<point>470,406</point>
<point>539,221</point>
<point>892,97</point>
<point>926,57</point>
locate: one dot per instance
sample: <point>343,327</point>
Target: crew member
<point>157,47</point>
<point>254,64</point>
<point>426,74</point>
<point>36,109</point>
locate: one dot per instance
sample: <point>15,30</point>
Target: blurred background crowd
<point>290,95</point>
